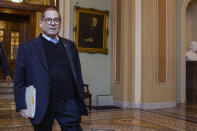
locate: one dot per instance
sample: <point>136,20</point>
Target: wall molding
<point>183,51</point>
<point>163,44</point>
<point>64,9</point>
<point>138,51</point>
<point>115,80</point>
<point>23,6</point>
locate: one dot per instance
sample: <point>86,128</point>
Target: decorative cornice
<point>22,6</point>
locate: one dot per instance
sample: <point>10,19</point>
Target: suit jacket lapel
<point>40,51</point>
<point>70,60</point>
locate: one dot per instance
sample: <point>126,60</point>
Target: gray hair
<point>50,8</point>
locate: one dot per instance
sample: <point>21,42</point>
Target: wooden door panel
<point>3,35</point>
<point>15,32</point>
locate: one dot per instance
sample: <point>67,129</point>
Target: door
<point>13,31</point>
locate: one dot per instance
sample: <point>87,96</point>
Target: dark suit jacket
<point>31,69</point>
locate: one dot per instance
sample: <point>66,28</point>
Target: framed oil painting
<point>91,30</point>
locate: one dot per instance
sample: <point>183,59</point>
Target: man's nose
<point>53,22</point>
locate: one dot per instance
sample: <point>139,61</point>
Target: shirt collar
<point>49,38</point>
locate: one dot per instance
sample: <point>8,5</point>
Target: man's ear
<point>41,22</point>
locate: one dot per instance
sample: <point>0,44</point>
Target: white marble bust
<point>191,55</point>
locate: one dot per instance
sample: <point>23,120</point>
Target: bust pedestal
<point>191,82</point>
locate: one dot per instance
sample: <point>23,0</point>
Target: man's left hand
<point>8,79</point>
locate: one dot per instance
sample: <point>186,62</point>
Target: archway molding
<point>183,50</point>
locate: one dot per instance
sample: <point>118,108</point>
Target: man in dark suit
<point>51,64</point>
<point>4,65</point>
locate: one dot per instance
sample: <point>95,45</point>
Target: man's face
<point>50,25</point>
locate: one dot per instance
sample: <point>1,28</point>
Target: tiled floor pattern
<point>181,118</point>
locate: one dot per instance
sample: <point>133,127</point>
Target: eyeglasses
<point>49,21</point>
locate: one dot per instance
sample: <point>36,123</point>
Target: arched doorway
<point>186,36</point>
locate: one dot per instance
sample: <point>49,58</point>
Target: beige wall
<point>151,91</point>
<point>123,90</point>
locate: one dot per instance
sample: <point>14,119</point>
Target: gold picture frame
<point>91,30</point>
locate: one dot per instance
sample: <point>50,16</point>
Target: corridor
<point>181,118</point>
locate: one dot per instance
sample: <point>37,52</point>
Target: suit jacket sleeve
<point>79,74</point>
<point>19,79</point>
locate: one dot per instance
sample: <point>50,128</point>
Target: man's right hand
<point>23,113</point>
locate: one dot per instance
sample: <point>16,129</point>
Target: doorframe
<point>31,20</point>
<point>31,14</point>
<point>183,45</point>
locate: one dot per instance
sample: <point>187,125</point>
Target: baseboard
<point>128,105</point>
<point>179,101</point>
<point>145,105</point>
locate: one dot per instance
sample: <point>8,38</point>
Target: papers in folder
<point>30,99</point>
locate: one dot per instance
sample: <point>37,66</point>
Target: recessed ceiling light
<point>18,1</point>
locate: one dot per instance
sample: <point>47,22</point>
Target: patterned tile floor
<point>181,118</point>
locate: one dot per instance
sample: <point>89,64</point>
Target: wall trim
<point>129,105</point>
<point>166,82</point>
<point>183,59</point>
<point>64,9</point>
<point>138,50</point>
<point>179,101</point>
<point>114,45</point>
